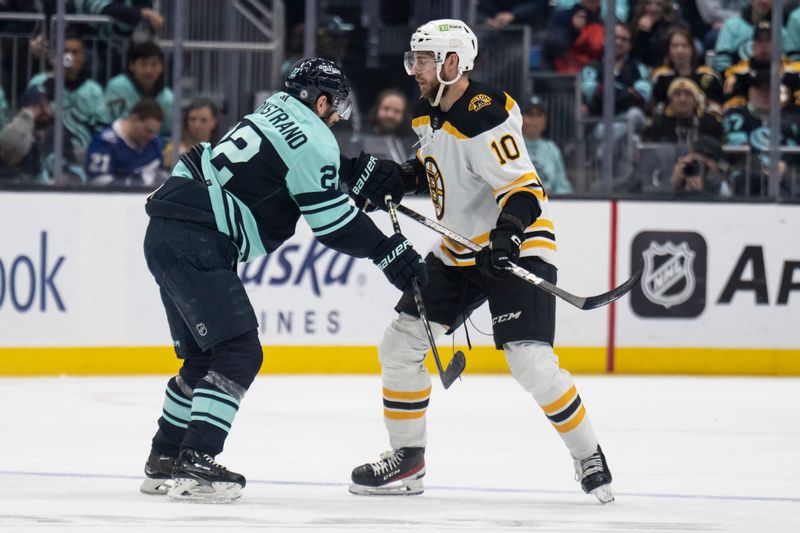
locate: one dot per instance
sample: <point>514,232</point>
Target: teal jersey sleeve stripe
<point>338,224</point>
<point>322,206</point>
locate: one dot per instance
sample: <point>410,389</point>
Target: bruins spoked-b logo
<point>673,268</point>
<point>436,185</point>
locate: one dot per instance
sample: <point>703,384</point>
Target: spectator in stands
<point>737,76</point>
<point>200,124</point>
<point>698,173</point>
<point>650,26</point>
<point>83,114</point>
<point>21,139</point>
<point>791,45</point>
<point>621,7</point>
<point>713,14</point>
<point>632,89</point>
<point>129,152</point>
<point>501,13</point>
<point>748,124</point>
<point>632,92</point>
<point>390,135</point>
<point>574,37</point>
<point>682,61</point>
<point>733,38</point>
<point>684,119</point>
<point>544,153</point>
<point>144,79</point>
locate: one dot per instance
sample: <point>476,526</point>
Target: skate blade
<point>189,490</point>
<point>604,494</point>
<point>156,487</point>
<point>406,487</point>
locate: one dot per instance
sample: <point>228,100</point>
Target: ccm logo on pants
<point>506,317</point>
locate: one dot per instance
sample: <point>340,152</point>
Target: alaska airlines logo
<point>293,264</point>
<point>436,185</point>
<point>478,102</point>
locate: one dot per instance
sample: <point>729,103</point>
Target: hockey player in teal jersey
<point>234,202</point>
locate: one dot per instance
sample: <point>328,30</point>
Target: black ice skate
<point>595,477</point>
<point>158,470</point>
<point>398,473</point>
<point>199,478</point>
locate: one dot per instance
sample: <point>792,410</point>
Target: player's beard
<point>430,94</point>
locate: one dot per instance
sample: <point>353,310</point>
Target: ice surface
<point>687,454</point>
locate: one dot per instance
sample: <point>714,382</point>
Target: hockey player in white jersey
<point>483,185</point>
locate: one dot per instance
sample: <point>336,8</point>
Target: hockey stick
<point>458,363</point>
<point>581,302</point>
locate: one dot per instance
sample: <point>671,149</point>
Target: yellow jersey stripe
<point>509,102</point>
<point>528,176</point>
<point>400,395</point>
<point>572,423</point>
<point>404,415</point>
<point>565,399</point>
<point>421,121</point>
<point>449,128</point>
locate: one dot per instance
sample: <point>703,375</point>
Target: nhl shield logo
<point>673,265</point>
<point>201,329</point>
<point>668,277</point>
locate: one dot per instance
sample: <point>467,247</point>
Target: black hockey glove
<point>399,262</point>
<point>503,249</point>
<point>415,180</point>
<point>372,179</point>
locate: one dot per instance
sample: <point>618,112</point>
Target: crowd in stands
<point>691,80</point>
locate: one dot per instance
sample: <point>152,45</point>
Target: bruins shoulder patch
<point>478,102</point>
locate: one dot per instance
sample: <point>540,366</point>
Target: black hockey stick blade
<point>454,369</point>
<point>581,302</point>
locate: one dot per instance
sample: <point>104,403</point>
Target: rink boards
<point>720,293</point>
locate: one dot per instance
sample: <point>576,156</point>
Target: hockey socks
<point>175,417</point>
<point>215,402</point>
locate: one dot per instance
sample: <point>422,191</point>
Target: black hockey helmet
<point>312,76</point>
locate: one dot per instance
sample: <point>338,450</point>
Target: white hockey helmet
<point>443,36</point>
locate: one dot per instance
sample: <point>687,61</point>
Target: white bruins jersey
<point>475,159</point>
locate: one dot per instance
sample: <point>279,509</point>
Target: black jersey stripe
<point>540,233</point>
<point>335,222</point>
<point>311,199</point>
<point>307,211</point>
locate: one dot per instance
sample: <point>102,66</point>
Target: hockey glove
<point>372,179</point>
<point>415,180</point>
<point>399,262</point>
<point>504,242</point>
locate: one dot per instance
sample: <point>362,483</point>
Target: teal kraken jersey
<point>122,94</point>
<point>278,163</point>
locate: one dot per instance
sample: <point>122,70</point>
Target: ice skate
<point>158,470</point>
<point>397,473</point>
<point>198,478</point>
<point>595,477</point>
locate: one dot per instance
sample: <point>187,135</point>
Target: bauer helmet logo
<point>478,102</point>
<point>201,329</point>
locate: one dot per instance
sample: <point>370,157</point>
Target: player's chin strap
<point>443,83</point>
